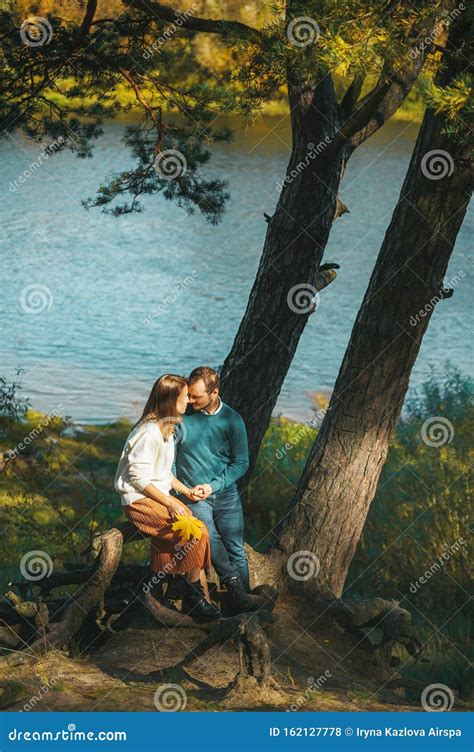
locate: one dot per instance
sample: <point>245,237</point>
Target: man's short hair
<point>208,375</point>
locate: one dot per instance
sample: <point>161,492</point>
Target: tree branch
<point>385,98</point>
<point>88,17</point>
<point>396,94</point>
<point>366,112</point>
<point>185,20</point>
<point>351,96</point>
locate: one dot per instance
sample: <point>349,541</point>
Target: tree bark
<point>266,341</point>
<point>279,304</point>
<point>329,509</point>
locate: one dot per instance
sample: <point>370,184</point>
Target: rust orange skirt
<point>167,555</point>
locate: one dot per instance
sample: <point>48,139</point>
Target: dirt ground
<point>311,671</point>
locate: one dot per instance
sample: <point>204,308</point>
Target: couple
<point>209,453</point>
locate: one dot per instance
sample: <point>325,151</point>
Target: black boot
<point>195,604</point>
<point>240,600</point>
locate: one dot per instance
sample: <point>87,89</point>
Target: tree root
<point>94,582</point>
<point>370,614</point>
<point>168,617</point>
<point>249,632</point>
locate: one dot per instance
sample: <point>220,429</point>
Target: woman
<point>144,479</point>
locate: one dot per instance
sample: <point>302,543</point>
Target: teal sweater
<point>212,449</point>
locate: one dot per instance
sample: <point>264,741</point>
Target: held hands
<point>200,492</point>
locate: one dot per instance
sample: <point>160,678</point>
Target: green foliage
<point>280,461</point>
<point>179,81</point>
<point>56,486</point>
<point>12,407</point>
<point>452,99</point>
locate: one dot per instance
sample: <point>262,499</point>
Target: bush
<point>280,461</point>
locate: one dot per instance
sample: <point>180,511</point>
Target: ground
<point>120,674</point>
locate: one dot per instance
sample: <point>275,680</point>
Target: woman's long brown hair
<point>161,404</point>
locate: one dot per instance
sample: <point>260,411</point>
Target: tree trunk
<point>340,478</point>
<point>324,135</point>
<point>280,300</point>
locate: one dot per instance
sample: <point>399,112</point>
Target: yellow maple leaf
<point>188,527</point>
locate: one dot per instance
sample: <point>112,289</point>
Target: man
<point>212,453</point>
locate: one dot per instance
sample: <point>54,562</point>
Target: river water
<point>123,300</point>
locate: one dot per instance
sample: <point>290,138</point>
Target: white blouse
<point>146,458</point>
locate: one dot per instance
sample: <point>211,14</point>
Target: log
<point>125,573</point>
<point>107,548</point>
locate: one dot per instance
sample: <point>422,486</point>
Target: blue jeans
<point>222,513</point>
